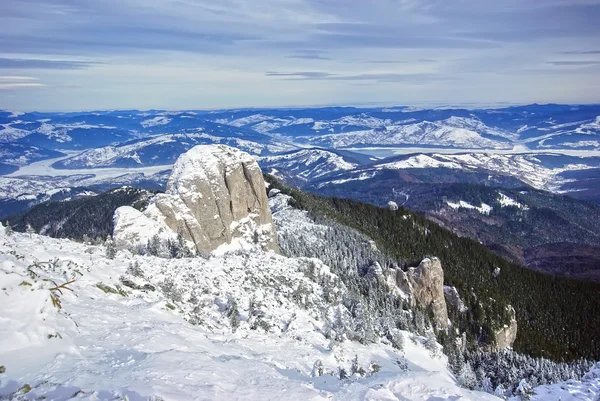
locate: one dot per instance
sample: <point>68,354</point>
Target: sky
<point>59,55</point>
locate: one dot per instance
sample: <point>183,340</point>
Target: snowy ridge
<point>178,143</point>
<point>156,121</point>
<point>422,133</point>
<point>129,326</point>
<point>527,167</point>
<point>307,164</point>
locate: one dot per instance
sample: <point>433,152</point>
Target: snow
<point>173,339</point>
<point>505,200</point>
<point>156,121</point>
<point>438,133</point>
<point>588,389</point>
<point>255,118</point>
<point>206,159</point>
<point>483,209</point>
<point>309,163</point>
<point>419,161</point>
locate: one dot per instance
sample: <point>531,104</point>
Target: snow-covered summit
<point>215,194</point>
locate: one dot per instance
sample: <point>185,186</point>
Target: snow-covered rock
<point>215,193</point>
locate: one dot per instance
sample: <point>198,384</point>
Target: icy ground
<point>140,328</point>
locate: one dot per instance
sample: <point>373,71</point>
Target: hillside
<point>545,328</point>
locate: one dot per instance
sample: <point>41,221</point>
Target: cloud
<point>25,64</point>
<point>148,52</point>
<point>309,75</point>
<point>374,77</point>
<point>584,52</point>
<point>573,63</point>
<point>309,57</point>
<point>17,81</point>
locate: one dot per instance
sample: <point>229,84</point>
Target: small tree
<point>29,230</point>
<point>467,377</point>
<point>182,248</point>
<point>233,315</point>
<point>524,390</point>
<point>8,230</point>
<point>111,250</point>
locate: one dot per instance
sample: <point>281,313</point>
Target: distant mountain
<point>17,154</point>
<point>504,213</point>
<point>548,171</point>
<point>303,166</point>
<point>534,126</point>
<point>164,149</point>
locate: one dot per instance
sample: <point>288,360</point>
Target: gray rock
<point>506,336</point>
<point>425,285</point>
<point>215,193</point>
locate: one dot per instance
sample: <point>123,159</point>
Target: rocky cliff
<point>506,336</point>
<point>215,194</point>
<point>425,284</point>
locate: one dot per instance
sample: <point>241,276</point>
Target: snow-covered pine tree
<point>29,230</point>
<point>111,250</point>
<point>466,377</point>
<point>8,229</point>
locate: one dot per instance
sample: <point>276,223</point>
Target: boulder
<point>425,284</point>
<point>215,193</point>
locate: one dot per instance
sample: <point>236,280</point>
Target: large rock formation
<point>425,284</point>
<point>215,194</point>
<point>506,336</point>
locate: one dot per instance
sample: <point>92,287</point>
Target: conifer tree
<point>29,230</point>
<point>8,229</point>
<point>111,250</point>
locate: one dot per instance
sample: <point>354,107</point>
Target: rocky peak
<point>425,284</point>
<point>215,193</point>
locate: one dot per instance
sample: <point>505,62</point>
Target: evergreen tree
<point>182,248</point>
<point>29,230</point>
<point>466,377</point>
<point>8,229</point>
<point>111,250</point>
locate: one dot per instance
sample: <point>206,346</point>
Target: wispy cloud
<point>26,64</point>
<point>16,82</point>
<point>583,52</point>
<point>574,63</point>
<point>375,77</point>
<point>309,75</point>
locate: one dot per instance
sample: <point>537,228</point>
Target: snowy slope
<point>422,133</point>
<point>306,164</point>
<point>539,170</point>
<point>163,150</point>
<point>140,327</point>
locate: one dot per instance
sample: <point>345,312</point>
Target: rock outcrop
<point>425,285</point>
<point>506,336</point>
<point>215,194</point>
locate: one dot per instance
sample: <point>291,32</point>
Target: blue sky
<point>201,54</point>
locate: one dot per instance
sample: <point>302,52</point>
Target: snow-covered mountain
<point>542,171</point>
<point>163,150</point>
<point>422,133</point>
<point>306,165</point>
